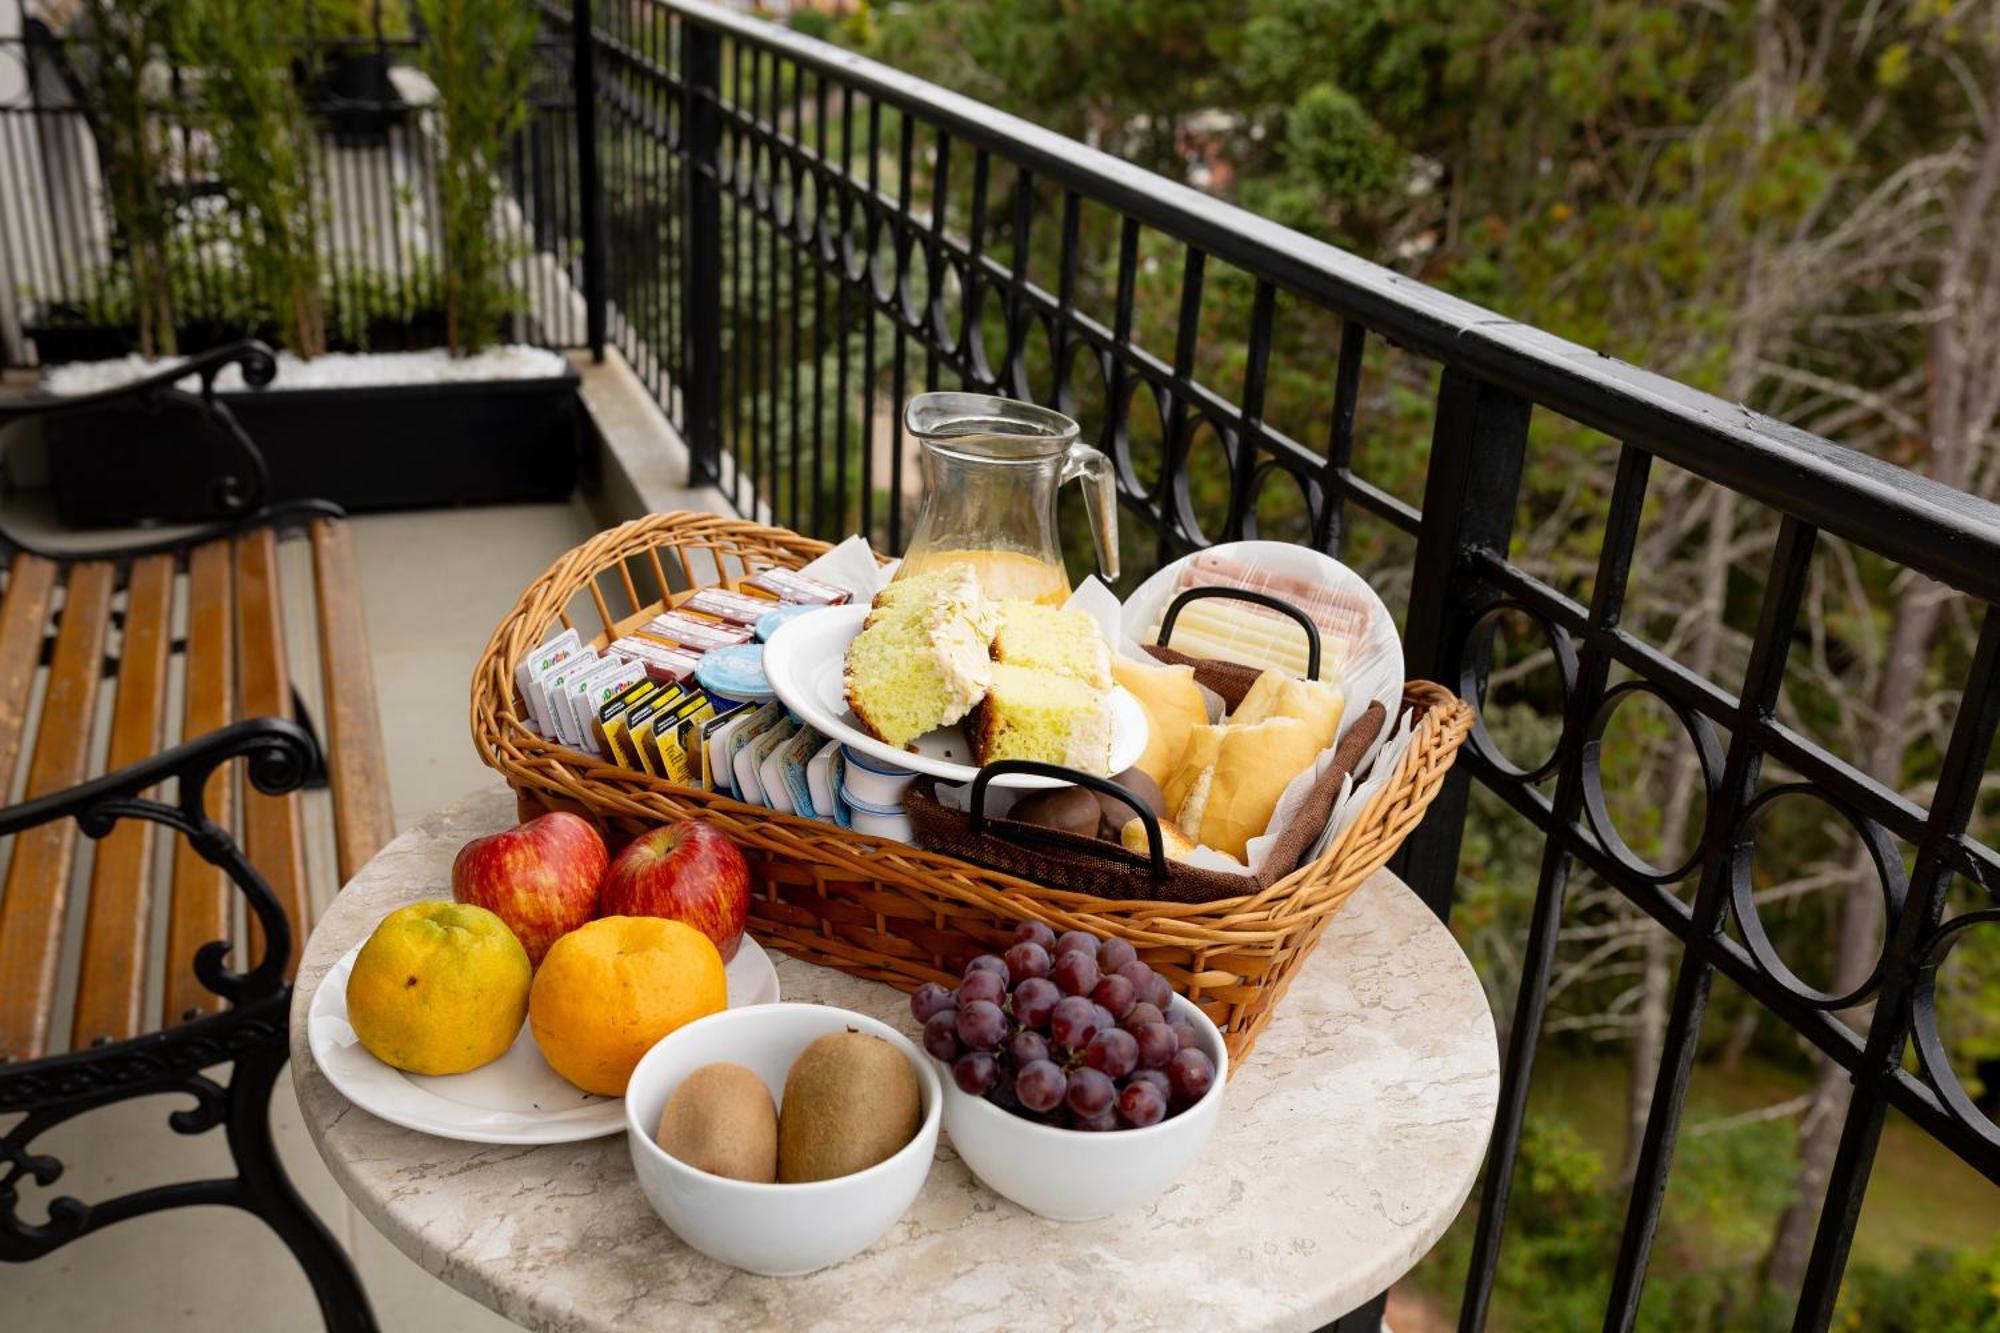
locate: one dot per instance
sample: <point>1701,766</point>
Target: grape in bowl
<point>1068,1123</point>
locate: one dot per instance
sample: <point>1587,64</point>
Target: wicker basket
<point>881,909</point>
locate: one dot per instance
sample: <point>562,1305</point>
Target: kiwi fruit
<point>851,1100</point>
<point>721,1120</point>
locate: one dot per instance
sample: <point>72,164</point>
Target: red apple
<point>540,878</point>
<point>687,871</point>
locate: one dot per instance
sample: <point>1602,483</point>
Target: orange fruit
<point>608,990</point>
<point>439,988</point>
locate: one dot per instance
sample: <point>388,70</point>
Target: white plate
<point>516,1099</point>
<point>805,661</point>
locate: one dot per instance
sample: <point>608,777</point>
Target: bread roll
<point>1173,704</point>
<point>1278,695</point>
<point>1176,844</point>
<point>1225,803</point>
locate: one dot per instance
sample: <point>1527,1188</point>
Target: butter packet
<point>750,760</point>
<point>612,721</point>
<point>592,692</point>
<point>754,724</point>
<point>648,734</point>
<point>548,691</point>
<point>821,779</point>
<point>559,649</point>
<point>669,733</point>
<point>545,685</point>
<point>713,778</point>
<point>639,723</point>
<point>784,774</point>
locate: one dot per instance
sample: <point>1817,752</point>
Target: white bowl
<point>1070,1175</point>
<point>776,1230</point>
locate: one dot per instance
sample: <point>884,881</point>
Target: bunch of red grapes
<point>1074,1032</point>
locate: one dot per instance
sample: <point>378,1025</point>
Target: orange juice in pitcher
<point>991,469</point>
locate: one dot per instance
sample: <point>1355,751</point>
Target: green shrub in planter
<point>354,20</point>
<point>479,54</point>
<point>266,151</point>
<point>127,36</point>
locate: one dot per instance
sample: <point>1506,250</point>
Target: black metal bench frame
<point>250,1033</point>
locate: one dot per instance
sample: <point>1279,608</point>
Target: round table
<point>1349,1141</point>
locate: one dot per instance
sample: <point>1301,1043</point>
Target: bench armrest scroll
<point>281,756</point>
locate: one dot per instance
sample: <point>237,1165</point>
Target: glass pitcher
<point>991,469</point>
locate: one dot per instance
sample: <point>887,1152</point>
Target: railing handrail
<point>1920,522</point>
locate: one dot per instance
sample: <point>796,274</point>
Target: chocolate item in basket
<point>1033,714</point>
<point>1114,814</point>
<point>1065,809</point>
<point>661,662</point>
<point>723,604</point>
<point>921,660</point>
<point>788,585</point>
<point>692,634</point>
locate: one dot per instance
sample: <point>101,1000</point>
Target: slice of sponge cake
<point>1033,713</point>
<point>1033,635</point>
<point>922,658</point>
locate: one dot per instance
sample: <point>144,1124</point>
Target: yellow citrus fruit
<point>439,988</point>
<point>608,990</point>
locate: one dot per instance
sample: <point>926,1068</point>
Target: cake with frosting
<point>923,658</point>
<point>1051,639</point>
<point>1036,713</point>
<point>1050,696</point>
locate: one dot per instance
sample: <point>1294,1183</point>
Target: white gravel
<point>337,370</point>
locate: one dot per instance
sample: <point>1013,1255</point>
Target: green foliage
<point>128,36</point>
<point>354,20</point>
<point>479,53</point>
<point>814,23</point>
<point>266,151</point>
<point>1642,178</point>
<point>1938,1292</point>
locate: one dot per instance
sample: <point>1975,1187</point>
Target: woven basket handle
<point>1246,595</point>
<point>1155,845</point>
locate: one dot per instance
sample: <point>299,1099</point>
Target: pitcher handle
<point>1100,500</point>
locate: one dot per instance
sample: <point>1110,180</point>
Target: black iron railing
<point>800,238</point>
<point>67,288</point>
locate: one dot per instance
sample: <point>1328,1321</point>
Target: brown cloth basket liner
<point>1107,870</point>
<point>879,909</point>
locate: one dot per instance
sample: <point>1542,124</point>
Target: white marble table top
<point>1350,1139</point>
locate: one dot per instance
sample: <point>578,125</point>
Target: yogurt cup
<point>871,782</point>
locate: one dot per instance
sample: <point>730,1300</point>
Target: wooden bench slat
<point>272,838</point>
<point>111,986</point>
<point>37,893</point>
<point>24,615</point>
<point>363,816</point>
<point>202,895</point>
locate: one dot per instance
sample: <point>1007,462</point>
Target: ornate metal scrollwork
<point>281,758</point>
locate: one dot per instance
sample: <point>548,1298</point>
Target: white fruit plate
<point>806,660</point>
<point>516,1099</point>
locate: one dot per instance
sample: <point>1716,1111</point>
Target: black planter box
<point>56,344</point>
<point>355,97</point>
<point>382,447</point>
